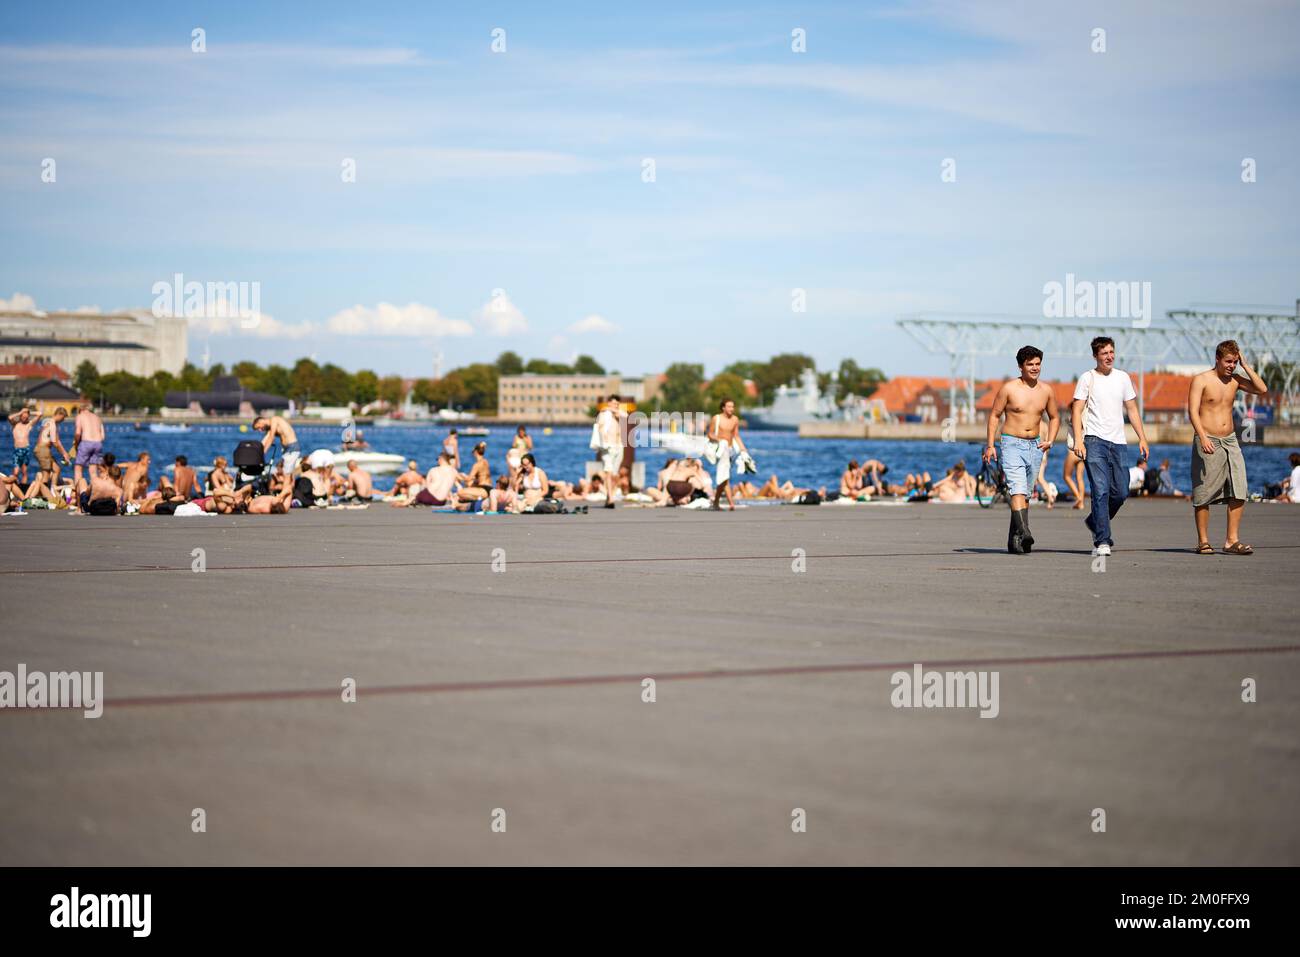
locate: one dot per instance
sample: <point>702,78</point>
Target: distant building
<point>568,398</point>
<point>49,386</point>
<point>134,342</point>
<point>227,397</point>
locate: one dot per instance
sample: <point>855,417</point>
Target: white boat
<point>382,463</point>
<point>679,443</point>
<point>167,429</point>
<point>474,432</point>
<point>793,405</point>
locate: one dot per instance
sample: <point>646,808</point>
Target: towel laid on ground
<point>1220,477</point>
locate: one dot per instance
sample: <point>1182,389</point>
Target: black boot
<point>1015,543</point>
<point>1026,538</point>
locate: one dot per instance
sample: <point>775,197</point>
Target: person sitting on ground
<point>851,480</point>
<point>409,482</point>
<point>1291,484</point>
<point>184,484</point>
<point>436,487</point>
<point>135,478</point>
<point>360,485</point>
<point>957,486</point>
<point>278,481</point>
<point>874,469</point>
<point>531,482</point>
<point>219,476</point>
<point>503,498</point>
<point>478,483</point>
<point>1166,486</point>
<point>103,487</point>
<point>1137,476</point>
<point>678,481</point>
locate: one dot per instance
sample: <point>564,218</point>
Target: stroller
<point>251,467</point>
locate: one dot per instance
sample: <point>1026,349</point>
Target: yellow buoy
<point>546,431</point>
<point>243,428</point>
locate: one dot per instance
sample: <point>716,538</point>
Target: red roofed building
<point>33,370</point>
<point>926,398</point>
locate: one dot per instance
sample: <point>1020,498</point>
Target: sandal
<point>1238,548</point>
<point>1205,548</point>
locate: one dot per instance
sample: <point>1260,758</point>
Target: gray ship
<point>794,405</point>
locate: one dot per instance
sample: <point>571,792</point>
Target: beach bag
<point>101,506</point>
<point>808,498</point>
<point>595,436</point>
<point>165,508</point>
<point>1151,484</point>
<point>548,506</point>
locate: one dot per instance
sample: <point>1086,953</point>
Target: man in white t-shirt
<point>1101,397</point>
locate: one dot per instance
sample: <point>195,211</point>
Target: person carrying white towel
<point>724,432</point>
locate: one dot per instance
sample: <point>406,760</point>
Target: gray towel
<point>1220,477</point>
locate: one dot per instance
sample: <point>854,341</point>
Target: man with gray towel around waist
<point>1218,468</point>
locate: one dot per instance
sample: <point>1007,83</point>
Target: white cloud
<point>500,317</point>
<point>256,325</point>
<point>593,323</point>
<point>412,320</point>
<point>21,302</point>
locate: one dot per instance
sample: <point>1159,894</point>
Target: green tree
<point>392,391</point>
<point>586,365</point>
<point>480,384</point>
<point>335,385</point>
<point>365,387</point>
<point>681,388</point>
<point>193,379</point>
<point>725,385</point>
<point>860,382</point>
<point>509,363</point>
<point>248,373</point>
<point>217,370</point>
<point>744,369</point>
<point>306,379</point>
<point>275,380</point>
<point>86,379</point>
<point>780,370</point>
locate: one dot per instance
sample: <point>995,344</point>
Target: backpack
<point>808,498</point>
<point>1151,484</point>
<point>101,506</point>
<point>548,506</point>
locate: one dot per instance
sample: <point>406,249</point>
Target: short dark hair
<point>1228,347</point>
<point>182,460</point>
<point>723,404</point>
<point>259,418</point>
<point>1026,353</point>
<point>1101,342</point>
<point>481,448</point>
<point>613,398</point>
<point>1295,458</point>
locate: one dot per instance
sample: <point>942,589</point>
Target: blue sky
<point>519,175</point>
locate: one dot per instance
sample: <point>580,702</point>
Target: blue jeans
<point>1108,476</point>
<point>1021,460</point>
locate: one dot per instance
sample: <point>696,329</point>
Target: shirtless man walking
<point>88,442</point>
<point>1023,400</point>
<point>724,430</point>
<point>1218,468</point>
<point>49,439</point>
<point>22,424</point>
<point>610,437</point>
<point>277,426</point>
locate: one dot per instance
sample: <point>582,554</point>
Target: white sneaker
<point>1102,550</point>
